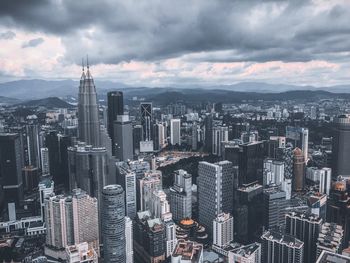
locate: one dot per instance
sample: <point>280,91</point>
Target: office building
<point>30,178</point>
<point>317,203</point>
<point>149,236</point>
<point>330,238</point>
<point>215,195</point>
<point>325,180</point>
<point>330,257</point>
<point>160,207</point>
<point>45,163</point>
<point>137,138</point>
<point>220,134</point>
<point>57,145</point>
<point>248,213</point>
<point>245,253</point>
<point>146,120</point>
<point>11,167</point>
<point>305,227</point>
<point>300,138</point>
<point>222,230</point>
<point>88,169</point>
<point>274,143</point>
<point>341,146</point>
<point>170,236</point>
<point>159,136</point>
<point>280,248</point>
<point>113,224</point>
<point>285,154</point>
<point>59,221</point>
<point>274,204</point>
<point>123,141</point>
<point>273,172</point>
<point>46,188</point>
<point>251,158</point>
<point>181,195</point>
<point>81,253</point>
<point>208,132</point>
<point>187,251</point>
<point>175,132</point>
<point>338,207</point>
<point>298,170</point>
<point>151,182</point>
<point>33,142</point>
<point>129,247</point>
<point>127,179</point>
<point>88,121</point>
<point>115,104</point>
<point>85,219</point>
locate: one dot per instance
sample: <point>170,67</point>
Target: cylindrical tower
<point>298,170</point>
<point>341,146</point>
<point>113,223</point>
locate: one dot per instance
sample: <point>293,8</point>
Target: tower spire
<point>83,76</point>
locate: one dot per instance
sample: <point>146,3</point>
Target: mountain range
<point>37,88</point>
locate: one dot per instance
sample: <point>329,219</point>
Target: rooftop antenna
<point>82,63</point>
<point>87,61</point>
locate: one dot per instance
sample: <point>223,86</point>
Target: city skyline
<point>201,43</point>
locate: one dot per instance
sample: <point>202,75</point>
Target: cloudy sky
<point>182,42</point>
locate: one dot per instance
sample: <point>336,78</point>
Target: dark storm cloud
<point>7,35</point>
<point>250,30</point>
<point>33,42</point>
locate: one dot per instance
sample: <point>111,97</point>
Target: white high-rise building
<point>181,196</point>
<point>175,131</point>
<point>59,221</point>
<point>85,219</point>
<point>160,206</point>
<point>46,188</point>
<point>222,230</point>
<point>273,172</point>
<point>129,241</point>
<point>147,185</point>
<point>220,134</point>
<point>170,237</point>
<point>245,254</point>
<point>45,165</point>
<point>81,253</point>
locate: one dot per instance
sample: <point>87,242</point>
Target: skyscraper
<point>175,131</point>
<point>146,120</point>
<point>305,227</point>
<point>113,224</point>
<point>59,221</point>
<point>88,121</point>
<point>341,146</point>
<point>222,230</point>
<point>280,248</point>
<point>151,182</point>
<point>330,238</point>
<point>129,248</point>
<point>115,105</point>
<point>181,196</point>
<point>88,169</point>
<point>298,170</point>
<point>251,158</point>
<point>220,134</point>
<point>33,142</point>
<point>215,195</point>
<point>45,163</point>
<point>11,167</point>
<point>123,141</point>
<point>274,204</point>
<point>300,138</point>
<point>85,219</point>
<point>127,179</point>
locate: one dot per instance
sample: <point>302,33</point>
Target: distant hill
<point>226,96</point>
<point>37,88</point>
<point>8,101</point>
<point>51,102</point>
